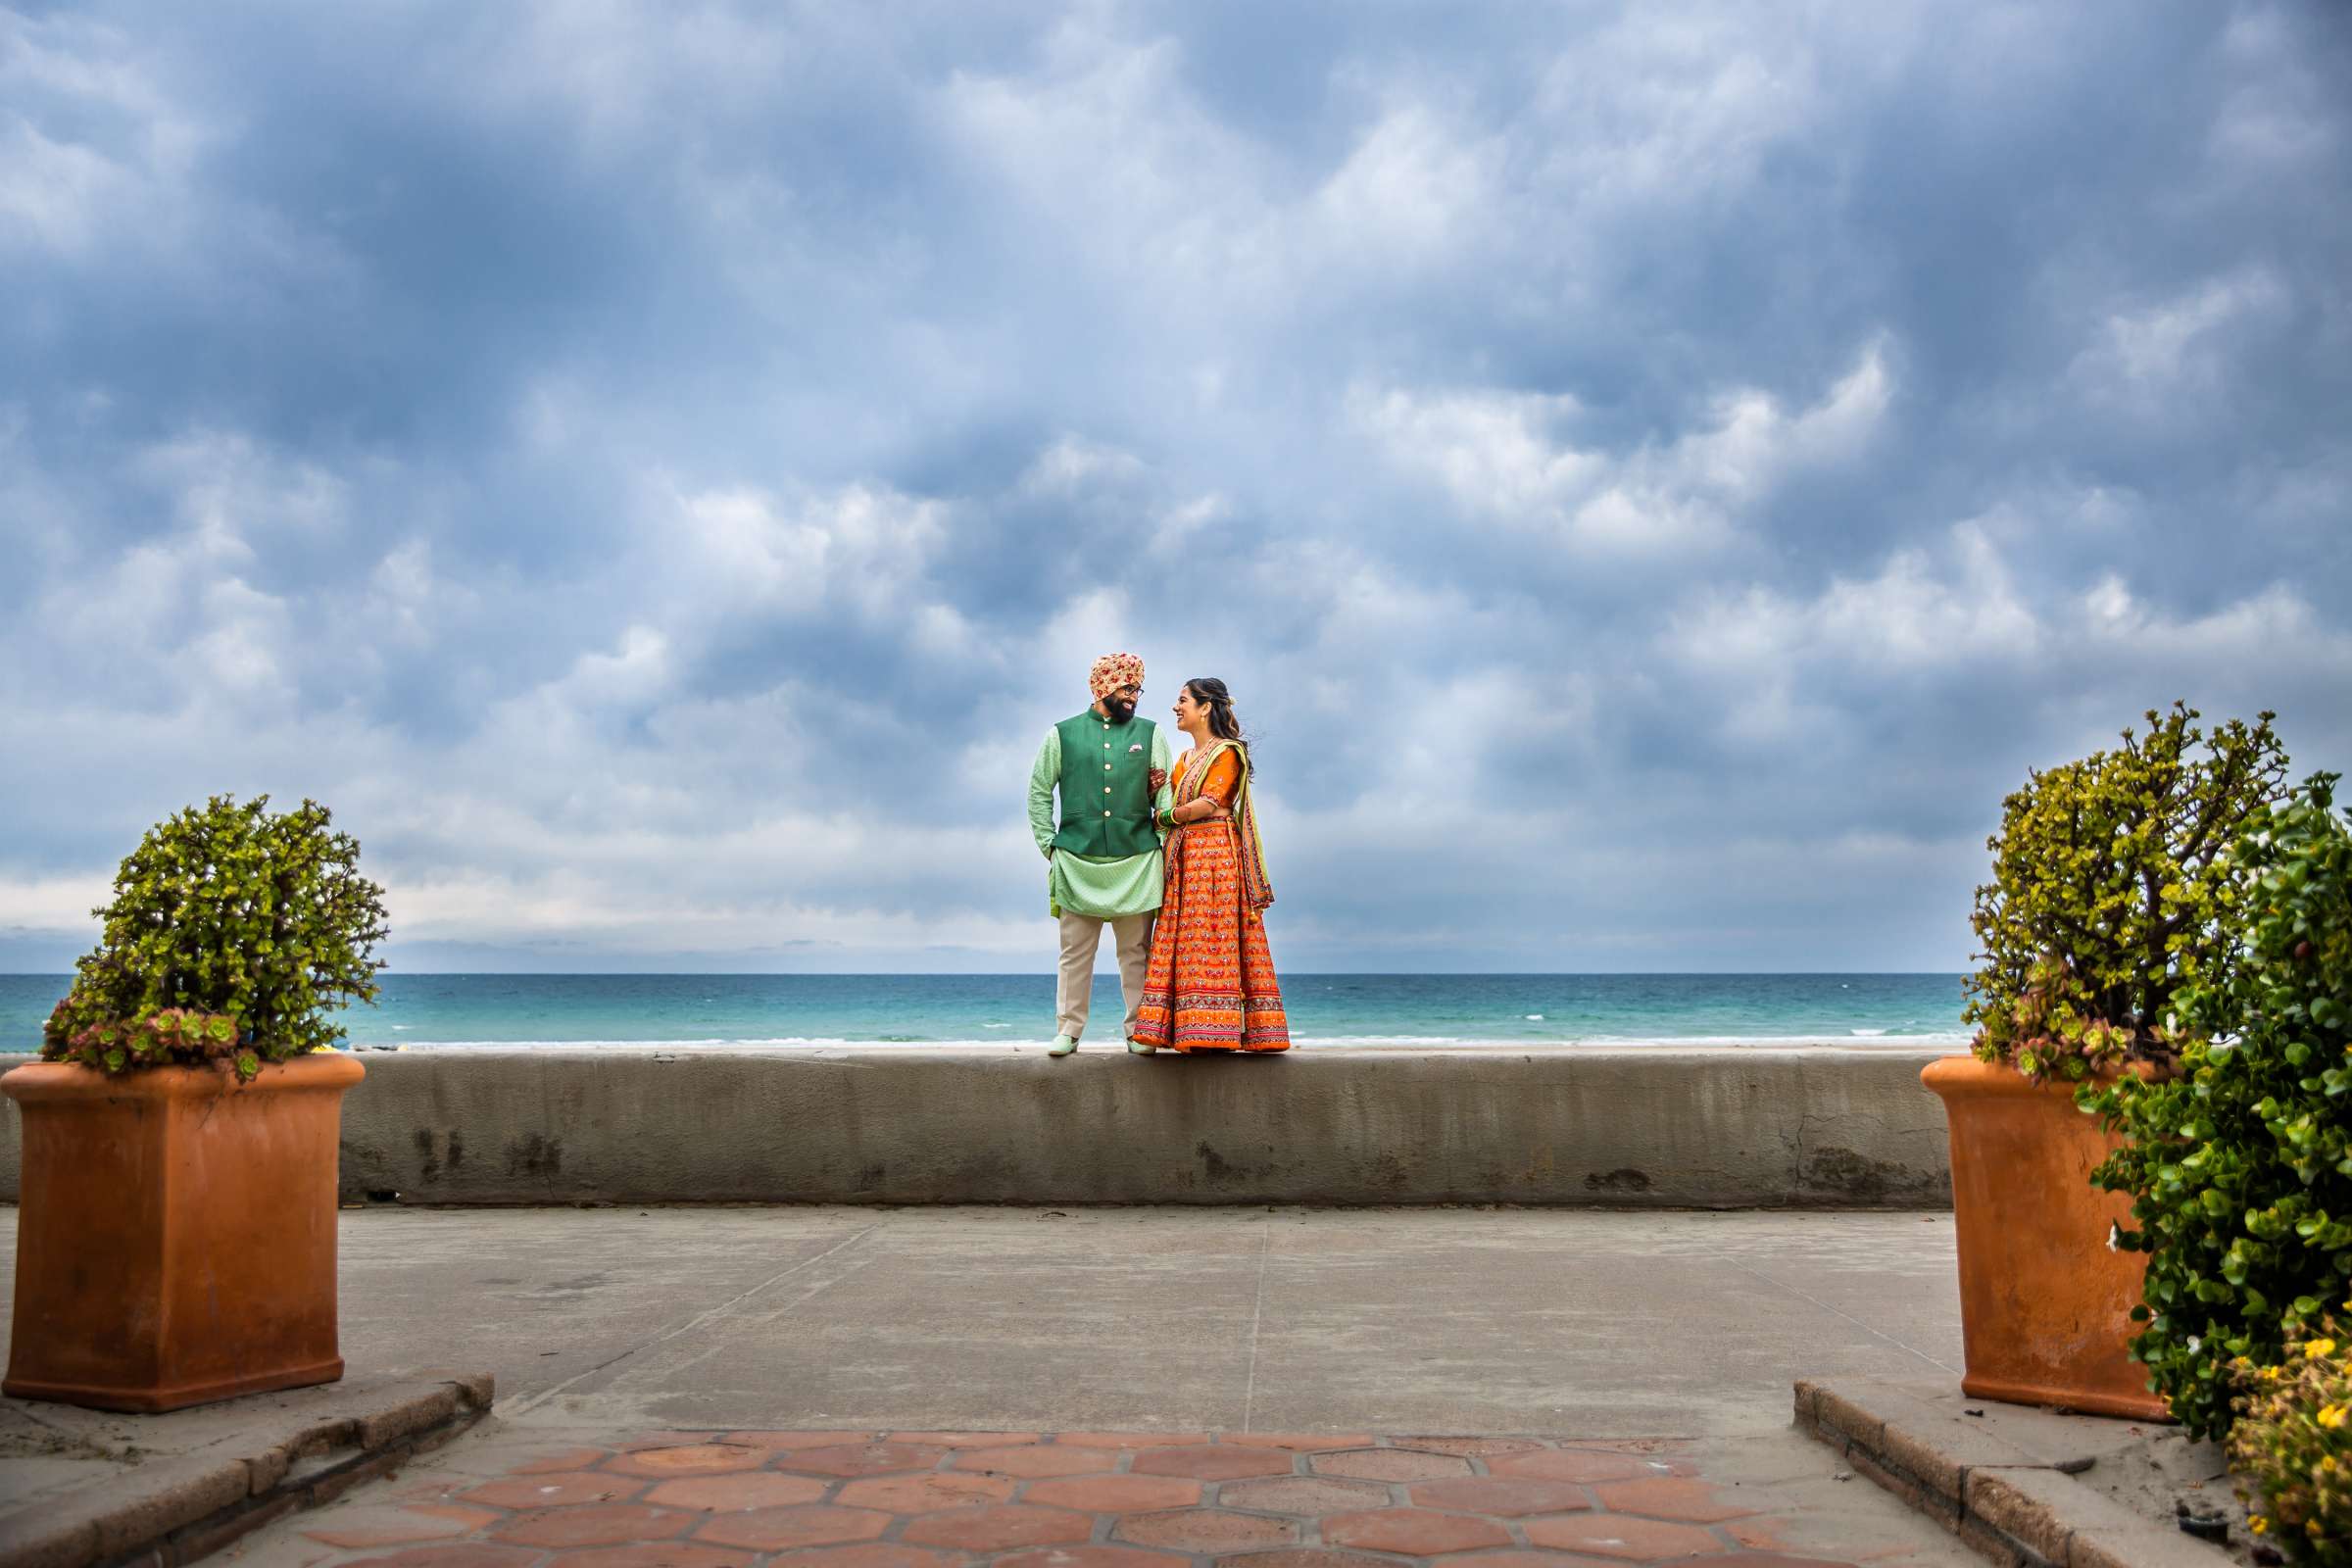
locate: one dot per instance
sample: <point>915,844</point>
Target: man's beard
<point>1116,711</point>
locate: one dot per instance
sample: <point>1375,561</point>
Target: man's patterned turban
<point>1112,672</point>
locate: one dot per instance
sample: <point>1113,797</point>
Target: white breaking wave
<point>818,1043</point>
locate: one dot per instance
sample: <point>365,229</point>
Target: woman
<point>1210,985</point>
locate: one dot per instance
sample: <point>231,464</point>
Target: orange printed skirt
<point>1211,984</point>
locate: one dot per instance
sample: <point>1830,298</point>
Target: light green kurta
<point>1107,887</point>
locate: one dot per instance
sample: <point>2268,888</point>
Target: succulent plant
<point>231,934</point>
<point>2107,897</point>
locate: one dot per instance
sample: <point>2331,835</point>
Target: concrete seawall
<point>1563,1125</point>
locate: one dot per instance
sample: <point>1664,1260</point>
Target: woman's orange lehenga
<point>1211,984</point>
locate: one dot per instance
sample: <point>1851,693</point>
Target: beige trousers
<point>1081,935</point>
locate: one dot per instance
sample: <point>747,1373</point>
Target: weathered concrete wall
<point>907,1125</point>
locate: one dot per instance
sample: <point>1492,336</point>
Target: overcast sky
<point>1654,476</point>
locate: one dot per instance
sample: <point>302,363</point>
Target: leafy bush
<point>2240,1167</point>
<point>230,932</point>
<point>2105,899</point>
<point>2292,1448</point>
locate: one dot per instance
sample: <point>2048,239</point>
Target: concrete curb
<point>2009,1505</point>
<point>175,1510</point>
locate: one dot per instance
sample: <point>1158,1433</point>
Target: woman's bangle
<point>1168,816</point>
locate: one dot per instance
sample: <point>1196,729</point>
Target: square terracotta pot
<point>2046,1302</point>
<point>175,1234</point>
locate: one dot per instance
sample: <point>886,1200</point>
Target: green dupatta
<point>1257,891</point>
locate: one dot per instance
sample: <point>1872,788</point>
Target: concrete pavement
<point>1463,1320</point>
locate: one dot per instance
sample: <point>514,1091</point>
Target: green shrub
<point>231,933</point>
<point>2105,899</point>
<point>2292,1448</point>
<point>2240,1167</point>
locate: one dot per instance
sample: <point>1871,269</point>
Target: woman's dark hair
<point>1212,693</point>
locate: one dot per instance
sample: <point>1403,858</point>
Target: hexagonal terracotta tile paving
<point>809,1524</point>
<point>872,1554</point>
<point>1413,1532</point>
<point>860,1458</point>
<point>385,1526</point>
<point>1096,1500</point>
<point>688,1459</point>
<point>1389,1464</point>
<point>470,1554</point>
<point>926,1490</point>
<point>1213,1462</point>
<point>1299,1441</point>
<point>1302,1495</point>
<point>760,1489</point>
<point>774,1441</point>
<point>1471,1448</point>
<point>1502,1495</point>
<point>997,1527</point>
<point>1036,1460</point>
<point>1205,1532</point>
<point>659,1555</point>
<point>593,1524</point>
<point>1091,1557</point>
<point>1116,1494</point>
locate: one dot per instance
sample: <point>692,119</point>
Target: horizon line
<point>1016,974</point>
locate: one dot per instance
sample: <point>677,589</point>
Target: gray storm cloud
<point>1653,477</point>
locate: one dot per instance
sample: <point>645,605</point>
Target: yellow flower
<point>2332,1416</point>
<point>2319,1347</point>
<point>2259,1525</point>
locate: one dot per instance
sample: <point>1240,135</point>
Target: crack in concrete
<point>532,1401</point>
<point>1257,1312</point>
<point>1848,1316</point>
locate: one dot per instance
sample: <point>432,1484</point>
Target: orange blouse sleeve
<point>1224,779</point>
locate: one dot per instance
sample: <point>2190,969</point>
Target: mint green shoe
<point>1139,1047</point>
<point>1062,1045</point>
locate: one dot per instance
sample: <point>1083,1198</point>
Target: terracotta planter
<point>2045,1304</point>
<point>175,1239</point>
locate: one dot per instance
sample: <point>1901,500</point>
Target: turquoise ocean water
<point>724,1009</point>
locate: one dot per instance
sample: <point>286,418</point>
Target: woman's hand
<point>1159,779</point>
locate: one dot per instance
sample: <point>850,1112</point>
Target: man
<point>1104,857</point>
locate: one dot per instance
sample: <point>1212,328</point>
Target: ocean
<point>458,1011</point>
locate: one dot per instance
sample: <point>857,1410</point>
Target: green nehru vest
<point>1105,787</point>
